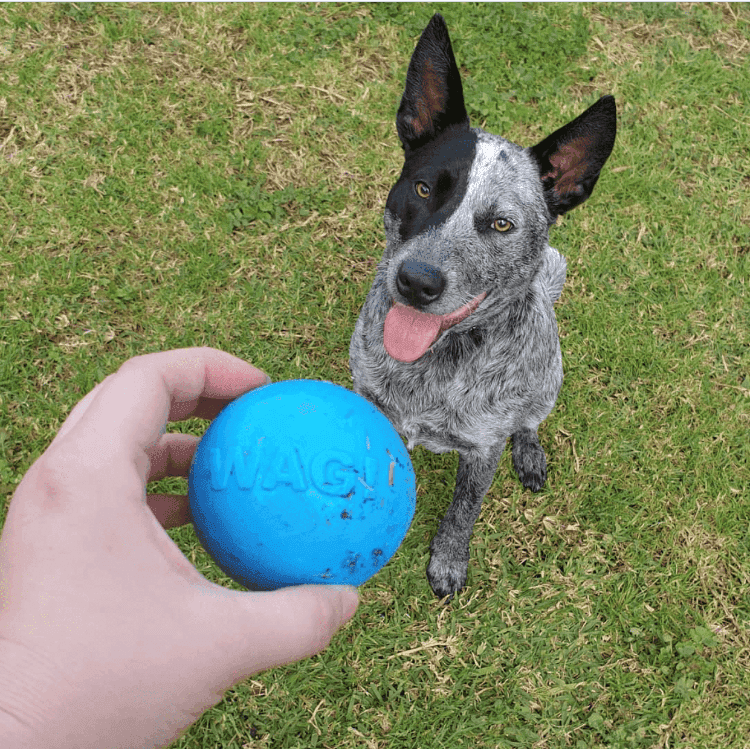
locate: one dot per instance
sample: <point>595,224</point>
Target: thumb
<point>263,630</point>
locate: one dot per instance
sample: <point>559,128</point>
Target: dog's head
<point>467,221</point>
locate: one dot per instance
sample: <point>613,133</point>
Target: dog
<point>457,341</point>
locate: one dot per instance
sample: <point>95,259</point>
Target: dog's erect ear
<point>433,99</point>
<point>571,158</point>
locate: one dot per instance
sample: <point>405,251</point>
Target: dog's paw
<point>529,460</point>
<point>446,576</point>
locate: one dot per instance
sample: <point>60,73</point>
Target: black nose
<point>419,283</point>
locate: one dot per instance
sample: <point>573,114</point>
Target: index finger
<point>127,411</point>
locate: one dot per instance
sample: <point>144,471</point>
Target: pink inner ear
<point>433,89</point>
<point>432,100</point>
<point>420,124</point>
<point>570,167</point>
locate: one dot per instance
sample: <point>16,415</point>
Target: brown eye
<point>501,224</point>
<point>422,190</point>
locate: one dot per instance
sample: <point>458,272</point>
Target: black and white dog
<point>457,341</point>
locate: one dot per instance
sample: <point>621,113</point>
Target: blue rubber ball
<point>301,482</point>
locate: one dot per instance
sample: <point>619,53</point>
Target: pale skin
<point>109,637</point>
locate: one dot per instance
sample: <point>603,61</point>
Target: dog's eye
<point>502,224</point>
<point>422,189</point>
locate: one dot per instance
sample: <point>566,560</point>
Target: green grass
<point>197,174</point>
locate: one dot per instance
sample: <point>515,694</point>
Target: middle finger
<point>171,455</point>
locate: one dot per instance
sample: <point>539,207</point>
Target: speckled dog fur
<point>497,373</point>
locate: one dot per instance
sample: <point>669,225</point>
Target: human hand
<point>109,637</point>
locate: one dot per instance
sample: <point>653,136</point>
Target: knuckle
<point>50,479</point>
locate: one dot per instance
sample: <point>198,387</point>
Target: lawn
<point>182,175</point>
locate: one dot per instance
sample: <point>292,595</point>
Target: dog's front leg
<point>449,558</point>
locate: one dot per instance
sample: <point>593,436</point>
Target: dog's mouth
<point>409,333</point>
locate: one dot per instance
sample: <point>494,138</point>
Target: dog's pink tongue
<point>408,333</point>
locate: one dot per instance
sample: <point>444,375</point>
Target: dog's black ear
<point>571,158</point>
<point>433,99</point>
